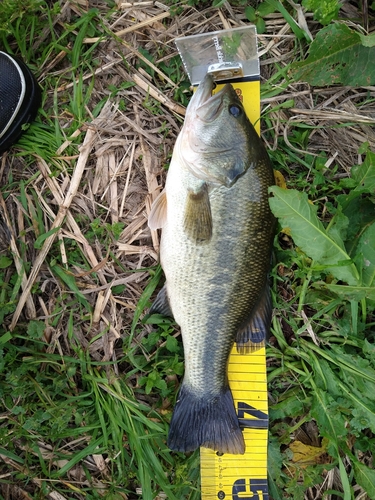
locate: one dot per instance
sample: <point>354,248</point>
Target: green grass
<point>85,426</point>
<point>52,400</point>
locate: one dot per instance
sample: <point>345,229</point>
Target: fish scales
<point>214,284</point>
<point>216,299</point>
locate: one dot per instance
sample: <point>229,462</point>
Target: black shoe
<point>20,98</point>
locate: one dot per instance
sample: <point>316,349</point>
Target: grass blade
<point>70,281</point>
<point>144,300</point>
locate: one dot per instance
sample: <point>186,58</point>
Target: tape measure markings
<point>242,477</point>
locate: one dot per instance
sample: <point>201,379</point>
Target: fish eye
<point>235,110</point>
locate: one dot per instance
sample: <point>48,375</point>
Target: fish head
<point>214,141</point>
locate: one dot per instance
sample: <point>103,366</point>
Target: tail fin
<point>209,420</point>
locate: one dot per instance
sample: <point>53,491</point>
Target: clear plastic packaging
<point>227,55</point>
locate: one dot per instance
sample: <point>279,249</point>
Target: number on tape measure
<point>259,419</point>
<point>256,489</point>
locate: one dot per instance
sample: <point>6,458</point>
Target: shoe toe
<point>20,99</point>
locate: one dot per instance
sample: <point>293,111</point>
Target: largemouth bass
<point>217,231</point>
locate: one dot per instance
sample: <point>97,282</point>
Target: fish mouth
<point>207,107</point>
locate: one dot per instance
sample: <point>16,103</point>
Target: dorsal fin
<point>158,214</point>
<point>197,216</point>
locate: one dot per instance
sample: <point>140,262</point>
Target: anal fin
<point>197,216</point>
<point>252,336</point>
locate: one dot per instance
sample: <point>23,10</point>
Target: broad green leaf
<point>289,407</point>
<point>35,329</point>
<point>265,8</point>
<point>363,415</point>
<point>360,213</point>
<point>366,248</point>
<point>273,489</point>
<point>331,421</point>
<point>337,56</point>
<point>353,292</point>
<point>325,377</point>
<point>323,12</point>
<point>369,349</point>
<point>260,25</point>
<point>364,174</point>
<point>295,212</point>
<point>337,228</point>
<point>250,13</point>
<point>362,419</point>
<point>172,344</point>
<point>365,477</point>
<point>368,40</point>
<point>275,459</point>
<point>5,262</point>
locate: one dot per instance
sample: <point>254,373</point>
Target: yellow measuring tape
<point>243,477</point>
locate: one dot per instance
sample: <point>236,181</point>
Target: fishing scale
<point>231,56</point>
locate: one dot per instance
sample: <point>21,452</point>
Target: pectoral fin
<point>158,214</point>
<point>197,217</point>
<point>253,335</point>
